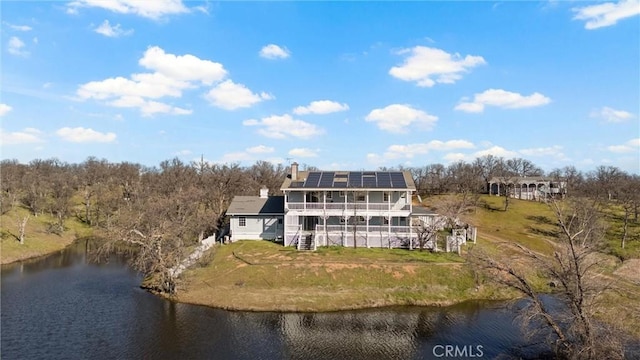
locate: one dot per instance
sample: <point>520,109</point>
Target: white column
<point>346,221</point>
<point>324,205</point>
<point>410,234</point>
<point>368,218</point>
<point>389,235</point>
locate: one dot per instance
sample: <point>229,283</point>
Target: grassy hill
<point>39,240</point>
<point>532,224</point>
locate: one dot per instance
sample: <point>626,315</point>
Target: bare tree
<point>453,206</point>
<point>427,231</point>
<point>571,327</point>
<point>488,166</point>
<point>22,225</point>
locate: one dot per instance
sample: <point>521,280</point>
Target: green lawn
<point>259,275</point>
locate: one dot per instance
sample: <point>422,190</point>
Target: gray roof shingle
<point>255,205</point>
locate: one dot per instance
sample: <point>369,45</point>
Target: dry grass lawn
<point>38,241</point>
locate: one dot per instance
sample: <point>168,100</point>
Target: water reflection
<point>64,306</point>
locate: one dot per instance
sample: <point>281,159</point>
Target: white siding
<point>256,228</point>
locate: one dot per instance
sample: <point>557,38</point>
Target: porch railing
<point>348,206</point>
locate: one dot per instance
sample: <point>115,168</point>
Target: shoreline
<point>355,307</point>
<point>35,254</point>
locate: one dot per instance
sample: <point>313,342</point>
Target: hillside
<point>531,224</point>
<point>38,239</point>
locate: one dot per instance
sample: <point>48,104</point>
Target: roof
<point>524,179</point>
<point>255,205</point>
<point>342,180</point>
<point>419,210</point>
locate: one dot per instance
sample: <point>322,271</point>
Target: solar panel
<point>326,179</point>
<point>384,180</point>
<point>369,173</point>
<point>355,179</point>
<point>339,184</point>
<point>312,180</point>
<point>369,181</point>
<point>397,180</point>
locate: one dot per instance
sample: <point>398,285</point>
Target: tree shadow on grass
<point>539,219</point>
<point>490,207</point>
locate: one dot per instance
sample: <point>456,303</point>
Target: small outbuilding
<point>256,217</point>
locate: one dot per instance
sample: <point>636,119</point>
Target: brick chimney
<point>294,171</point>
<point>264,192</point>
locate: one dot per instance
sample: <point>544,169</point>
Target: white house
<point>256,217</point>
<point>370,208</point>
<point>529,187</point>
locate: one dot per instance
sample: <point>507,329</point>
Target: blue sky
<point>337,85</point>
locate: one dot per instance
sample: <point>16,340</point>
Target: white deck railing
<point>348,206</point>
<point>363,228</point>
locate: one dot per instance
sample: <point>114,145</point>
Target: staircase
<point>306,242</point>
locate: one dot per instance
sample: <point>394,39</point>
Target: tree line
<point>162,210</point>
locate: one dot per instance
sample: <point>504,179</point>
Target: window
<point>279,221</point>
<point>329,195</point>
<point>385,196</point>
<point>385,220</point>
<point>242,221</point>
<point>342,194</point>
<point>360,198</point>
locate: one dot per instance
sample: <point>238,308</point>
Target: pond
<point>64,306</point>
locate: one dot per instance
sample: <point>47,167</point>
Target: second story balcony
<point>329,206</point>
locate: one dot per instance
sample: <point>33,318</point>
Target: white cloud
<point>234,157</point>
<point>148,107</point>
<point>542,151</point>
<point>260,149</point>
<point>606,14</point>
<point>4,109</point>
<point>84,135</point>
<point>18,27</point>
<point>155,9</point>
<point>150,85</point>
<point>108,30</point>
<point>454,157</point>
<point>183,153</point>
<point>16,47</point>
<point>249,154</point>
<point>553,152</point>
<point>230,96</point>
<point>375,159</point>
<point>502,99</point>
<point>399,118</point>
<point>182,67</point>
<point>495,151</point>
<point>611,115</point>
<point>428,66</point>
<point>282,126</point>
<point>303,152</point>
<point>26,136</point>
<point>321,107</point>
<point>632,145</point>
<point>273,51</point>
<point>172,75</point>
<point>411,150</point>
